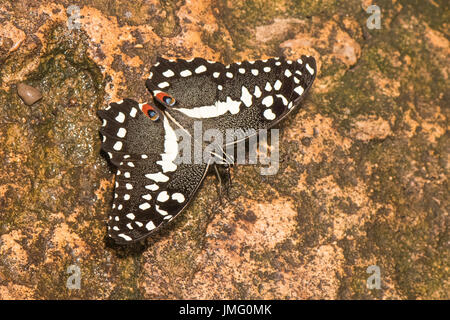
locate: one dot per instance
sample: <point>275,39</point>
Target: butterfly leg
<point>224,179</point>
<point>228,183</point>
<point>225,161</point>
<point>219,188</point>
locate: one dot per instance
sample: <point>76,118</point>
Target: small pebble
<point>306,141</point>
<point>73,102</point>
<point>28,94</point>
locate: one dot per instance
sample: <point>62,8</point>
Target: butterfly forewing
<point>246,95</point>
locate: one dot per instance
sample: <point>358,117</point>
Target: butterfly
<point>141,139</point>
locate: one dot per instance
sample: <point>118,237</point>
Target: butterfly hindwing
<point>150,188</point>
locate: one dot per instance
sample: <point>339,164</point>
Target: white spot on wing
<point>299,90</point>
<point>163,84</point>
<point>269,115</point>
<point>157,177</point>
<point>267,101</point>
<point>162,196</point>
<point>287,73</point>
<point>149,226</point>
<point>147,197</point>
<point>133,112</point>
<point>144,206</point>
<point>257,92</point>
<point>277,85</point>
<point>117,146</point>
<point>255,72</point>
<point>215,110</point>
<point>152,187</point>
<point>162,212</point>
<point>200,69</point>
<point>178,197</point>
<point>170,149</point>
<point>285,102</point>
<point>120,117</point>
<point>246,97</point>
<point>121,133</point>
<point>268,87</point>
<point>127,238</point>
<point>185,73</point>
<point>169,73</point>
<point>310,70</point>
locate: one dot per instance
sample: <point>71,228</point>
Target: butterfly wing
<point>245,95</point>
<point>150,188</point>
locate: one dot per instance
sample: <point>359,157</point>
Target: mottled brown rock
<point>28,94</point>
<point>363,176</point>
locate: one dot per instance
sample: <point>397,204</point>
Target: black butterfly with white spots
<point>151,187</point>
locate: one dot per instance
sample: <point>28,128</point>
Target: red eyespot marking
<point>150,112</point>
<point>165,98</point>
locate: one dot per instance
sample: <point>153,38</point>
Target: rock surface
<point>363,176</point>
